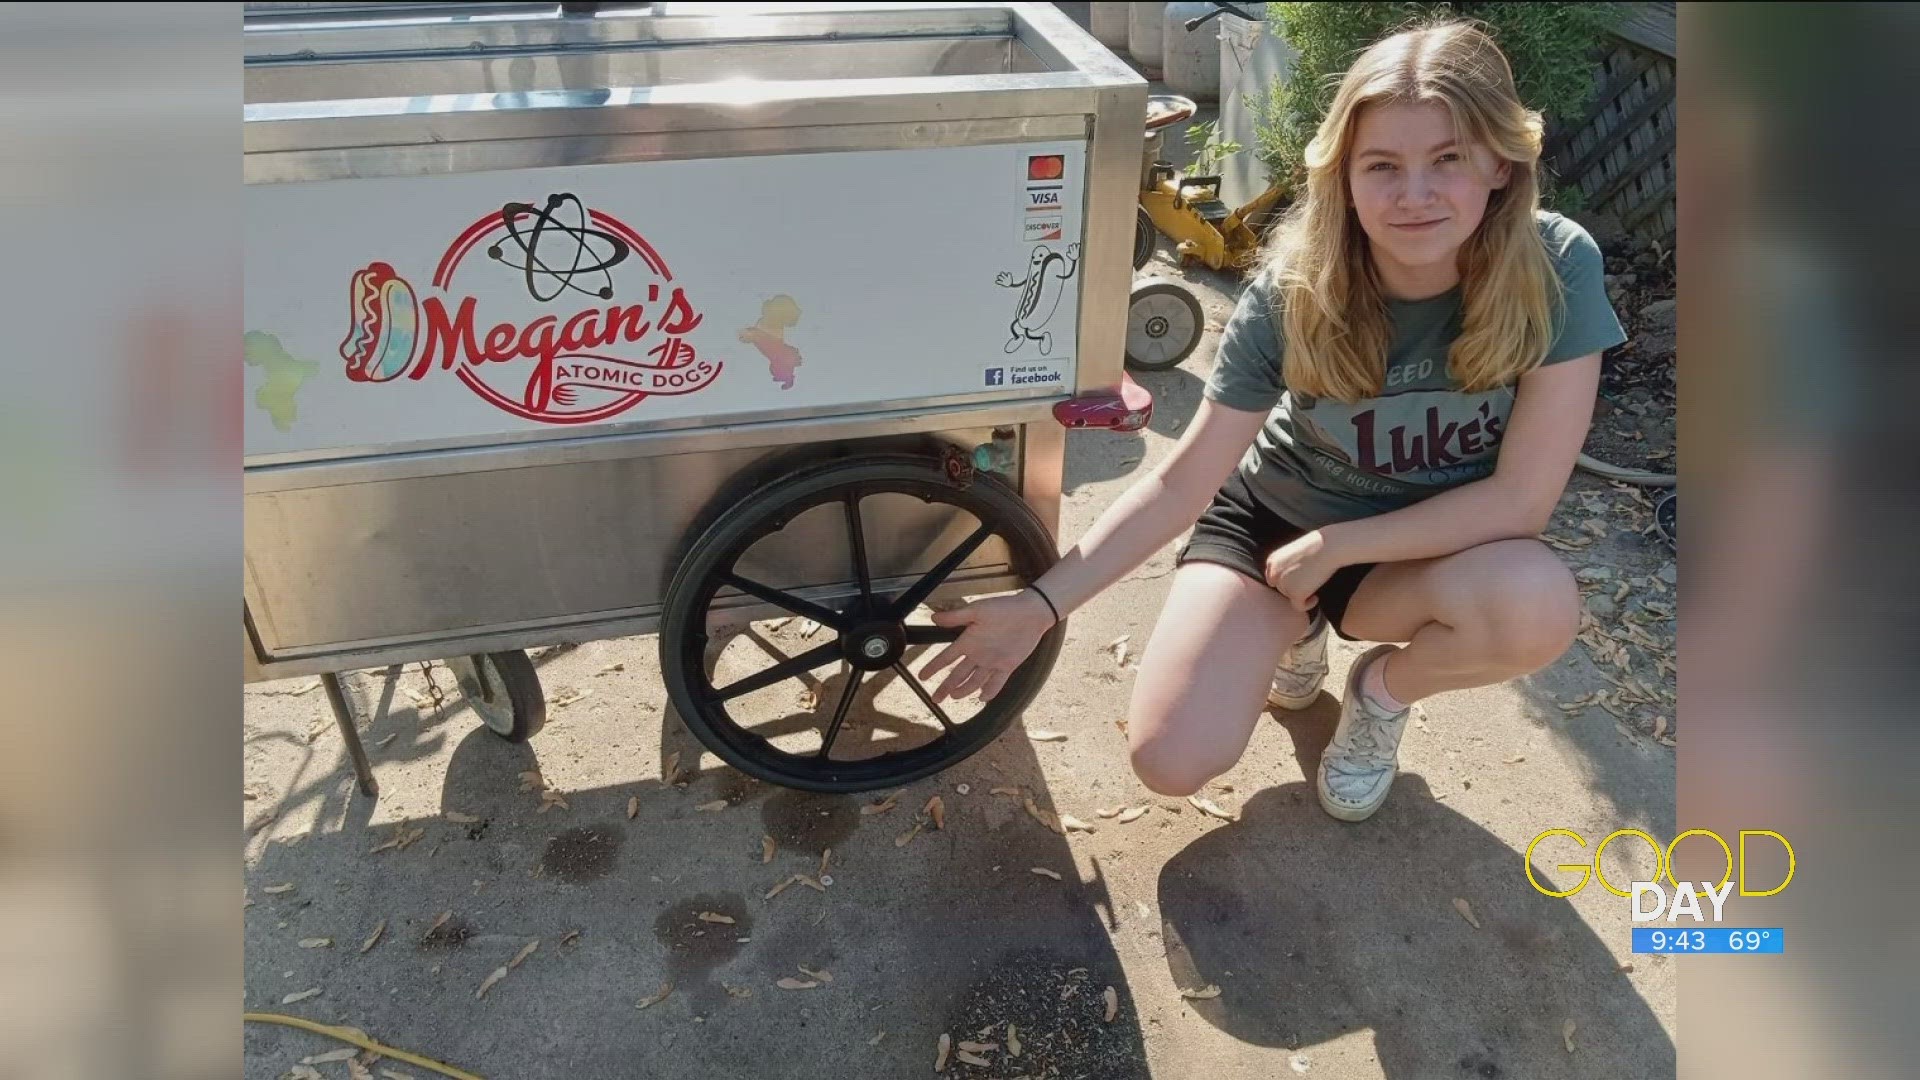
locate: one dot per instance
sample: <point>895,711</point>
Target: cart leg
<point>343,715</point>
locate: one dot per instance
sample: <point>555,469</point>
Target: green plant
<point>1551,48</point>
<point>1208,151</point>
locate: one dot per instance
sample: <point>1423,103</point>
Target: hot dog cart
<point>565,325</point>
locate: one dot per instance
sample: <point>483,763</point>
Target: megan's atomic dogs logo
<point>587,364</point>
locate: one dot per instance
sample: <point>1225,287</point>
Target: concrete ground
<point>1338,950</point>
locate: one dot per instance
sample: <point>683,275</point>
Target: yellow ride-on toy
<point>1188,208</point>
<point>1164,319</point>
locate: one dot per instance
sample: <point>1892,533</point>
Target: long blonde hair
<point>1335,323</point>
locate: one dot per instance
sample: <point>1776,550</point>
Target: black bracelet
<point>1049,600</point>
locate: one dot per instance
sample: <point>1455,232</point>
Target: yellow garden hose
<point>358,1038</point>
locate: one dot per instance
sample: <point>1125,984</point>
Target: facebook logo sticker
<point>996,376</point>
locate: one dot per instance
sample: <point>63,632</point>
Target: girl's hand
<point>1000,634</point>
<point>1298,569</point>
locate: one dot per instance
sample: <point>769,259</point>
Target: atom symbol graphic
<point>592,250</point>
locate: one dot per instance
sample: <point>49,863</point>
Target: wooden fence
<point>1620,155</point>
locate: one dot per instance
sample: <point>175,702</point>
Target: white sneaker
<point>1358,768</point>
<point>1296,682</point>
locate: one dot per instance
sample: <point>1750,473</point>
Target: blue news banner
<point>1719,939</point>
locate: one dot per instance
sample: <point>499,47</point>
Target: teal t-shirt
<point>1318,461</point>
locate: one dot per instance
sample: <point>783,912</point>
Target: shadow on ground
<point>950,932</point>
<point>1314,929</point>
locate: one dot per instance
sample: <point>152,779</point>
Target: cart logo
<point>588,363</point>
<point>1041,288</point>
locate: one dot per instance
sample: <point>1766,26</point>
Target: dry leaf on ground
<point>1516,759</point>
<point>1205,993</point>
<point>459,818</point>
<point>316,943</point>
<point>1466,911</point>
<point>791,983</point>
<point>767,848</point>
<point>937,809</point>
<point>373,938</point>
<point>438,922</point>
<point>946,1048</point>
<point>1013,791</point>
<point>1113,1003</point>
<point>1133,814</point>
<point>1074,824</point>
<point>277,890</point>
<point>357,1071</point>
<point>880,807</point>
<point>1209,807</point>
<point>716,917</point>
<point>303,1072</point>
<point>633,807</point>
<point>569,938</point>
<point>782,887</point>
<point>567,699</point>
<point>709,807</point>
<point>738,991</point>
<point>875,1041</point>
<point>1013,1042</point>
<point>1042,735</point>
<point>672,768</point>
<point>1566,1033</point>
<point>980,1047</point>
<point>330,1057</point>
<point>819,976</point>
<point>301,996</point>
<point>656,997</point>
<point>974,1059</point>
<point>1118,648</point>
<point>824,857</point>
<point>1105,812</point>
<point>531,780</point>
<point>389,1074</point>
<point>906,838</point>
<point>1044,817</point>
<point>1044,872</point>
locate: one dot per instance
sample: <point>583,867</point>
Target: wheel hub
<point>1157,326</point>
<point>874,646</point>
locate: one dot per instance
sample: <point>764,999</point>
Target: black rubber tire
<point>684,634</point>
<point>1148,289</point>
<point>504,691</point>
<point>1144,235</point>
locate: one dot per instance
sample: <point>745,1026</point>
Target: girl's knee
<point>1167,768</point>
<point>1530,612</point>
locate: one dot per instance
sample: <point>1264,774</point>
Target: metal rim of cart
<point>351,561</point>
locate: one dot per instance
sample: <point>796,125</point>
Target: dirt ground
<point>1263,940</point>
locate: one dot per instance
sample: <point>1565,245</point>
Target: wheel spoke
<point>925,586</point>
<point>921,693</point>
<point>932,635</point>
<point>854,675</point>
<point>784,600</point>
<point>786,669</point>
<point>859,547</point>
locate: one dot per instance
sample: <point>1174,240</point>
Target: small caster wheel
<point>504,690</point>
<point>1164,325</point>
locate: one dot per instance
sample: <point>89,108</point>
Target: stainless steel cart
<point>564,326</point>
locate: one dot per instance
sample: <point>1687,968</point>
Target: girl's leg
<point>1204,677</point>
<point>1474,618</point>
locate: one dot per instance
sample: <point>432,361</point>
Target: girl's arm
<point>1000,632</point>
<point>1551,413</point>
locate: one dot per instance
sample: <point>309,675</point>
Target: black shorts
<point>1237,532</point>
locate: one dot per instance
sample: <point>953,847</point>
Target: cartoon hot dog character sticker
<point>1040,291</point>
<point>380,344</point>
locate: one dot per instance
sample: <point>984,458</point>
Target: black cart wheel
<point>1143,237</point>
<point>504,690</point>
<point>773,720</point>
<point>1164,325</point>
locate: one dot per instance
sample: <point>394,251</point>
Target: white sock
<point>1373,684</point>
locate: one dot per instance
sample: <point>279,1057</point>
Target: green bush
<point>1553,49</point>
